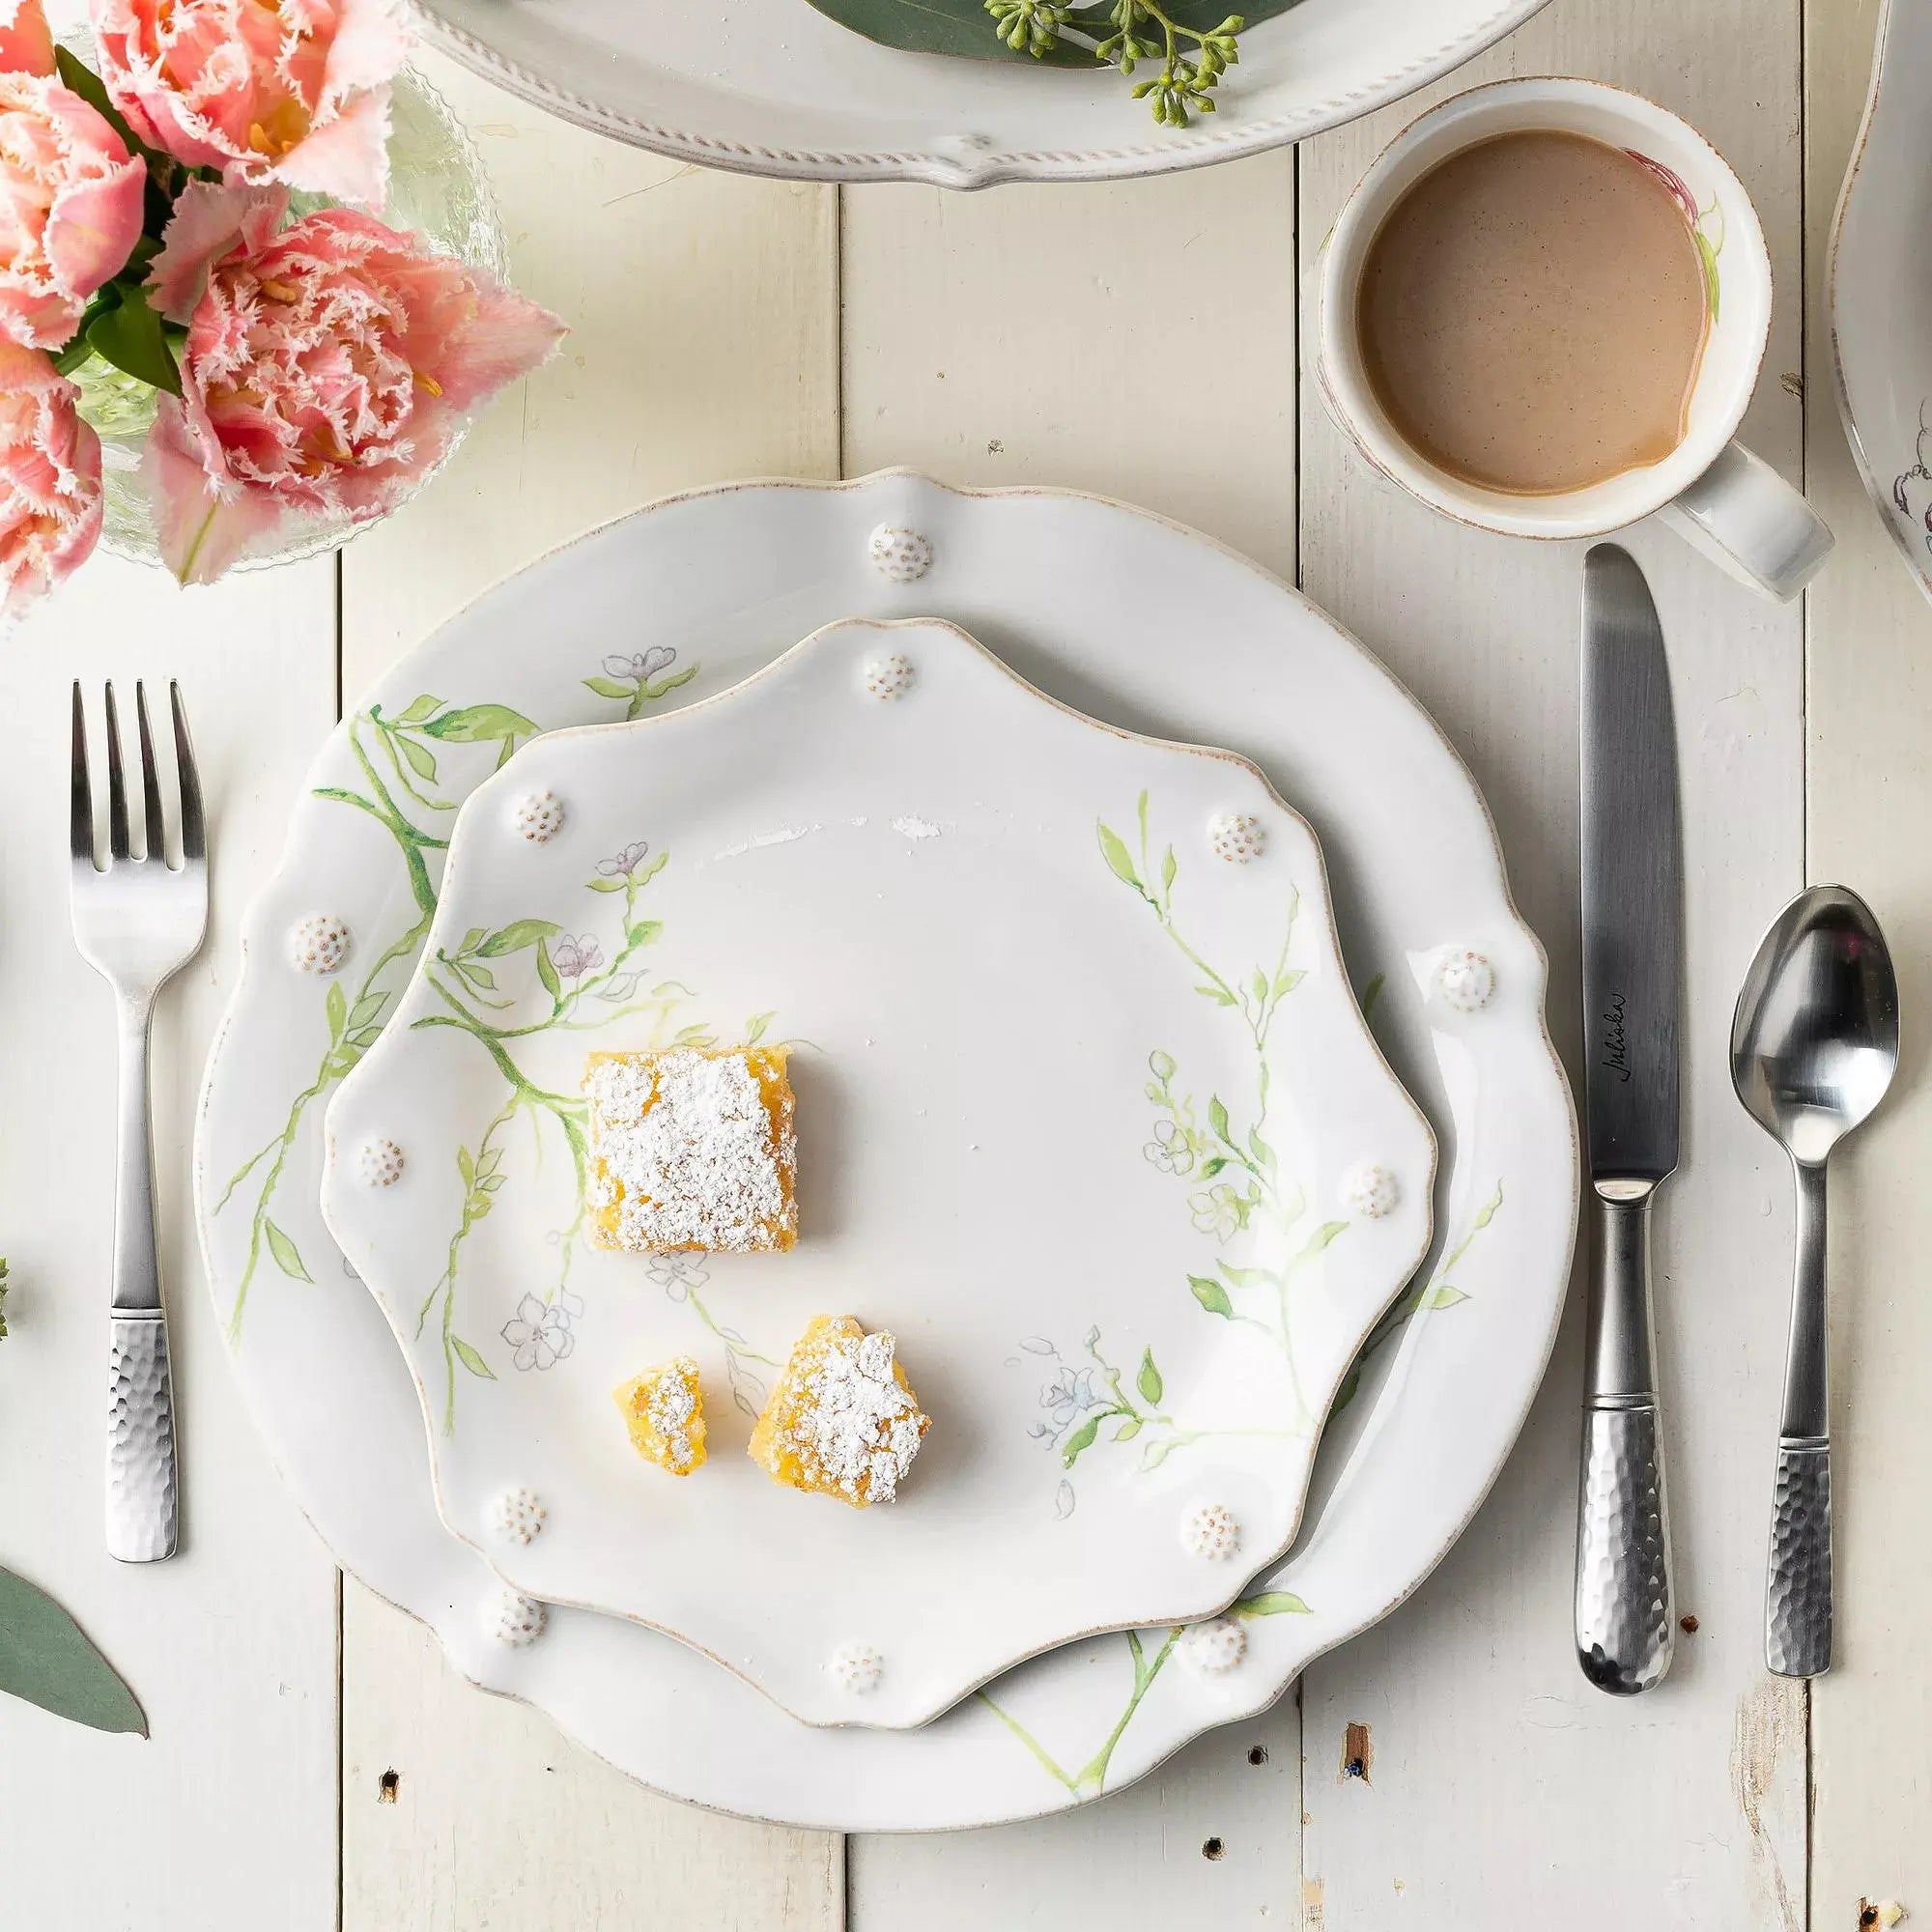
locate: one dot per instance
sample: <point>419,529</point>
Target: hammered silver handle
<point>1624,1625</point>
<point>1798,1589</point>
<point>142,1492</point>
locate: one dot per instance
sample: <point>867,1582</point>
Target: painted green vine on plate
<point>401,784</point>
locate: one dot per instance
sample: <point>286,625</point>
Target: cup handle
<point>1750,522</point>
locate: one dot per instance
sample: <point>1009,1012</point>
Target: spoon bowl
<point>1813,1048</point>
<point>1816,1042</point>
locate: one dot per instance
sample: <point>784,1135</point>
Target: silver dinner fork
<point>137,922</point>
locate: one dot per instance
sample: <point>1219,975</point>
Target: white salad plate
<point>1880,283</point>
<point>1131,619</point>
<point>1028,966</point>
<point>773,87</point>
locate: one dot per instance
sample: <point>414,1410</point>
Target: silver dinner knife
<point>1632,889</point>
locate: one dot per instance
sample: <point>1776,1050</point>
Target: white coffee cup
<point>1711,490</point>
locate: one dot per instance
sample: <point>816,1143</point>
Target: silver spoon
<point>1813,1048</point>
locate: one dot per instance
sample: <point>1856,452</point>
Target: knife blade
<point>1633,920</point>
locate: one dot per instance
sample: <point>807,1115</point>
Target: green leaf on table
<point>47,1658</point>
<point>129,335</point>
<point>1148,1381</point>
<point>516,937</point>
<point>1211,1296</point>
<point>1120,862</point>
<point>479,724</point>
<point>608,687</point>
<point>467,1355</point>
<point>1271,1603</point>
<point>287,1258</point>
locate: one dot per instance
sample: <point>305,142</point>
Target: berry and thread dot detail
<point>518,1516</point>
<point>514,1619</point>
<point>1237,837</point>
<point>538,817</point>
<point>1211,1531</point>
<point>319,944</point>
<point>857,1667</point>
<point>1371,1192</point>
<point>1465,981</point>
<point>1213,1648</point>
<point>381,1163</point>
<point>890,676</point>
<point>900,556</point>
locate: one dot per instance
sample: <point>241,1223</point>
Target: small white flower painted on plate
<point>1211,1531</point>
<point>381,1163</point>
<point>518,1516</point>
<point>858,1668</point>
<point>899,555</point>
<point>1467,981</point>
<point>538,816</point>
<point>890,676</point>
<point>319,944</point>
<point>1237,837</point>
<point>1213,1648</point>
<point>514,1619</point>
<point>1371,1192</point>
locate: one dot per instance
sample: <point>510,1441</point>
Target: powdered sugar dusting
<point>685,1149</point>
<point>909,827</point>
<point>669,1407</point>
<point>841,1414</point>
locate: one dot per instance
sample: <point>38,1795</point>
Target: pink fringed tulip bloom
<point>326,370</point>
<point>294,90</point>
<point>49,478</point>
<point>70,191</point>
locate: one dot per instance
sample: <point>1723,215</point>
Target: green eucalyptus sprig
<point>1131,32</point>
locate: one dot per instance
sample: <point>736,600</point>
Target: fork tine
<point>81,830</point>
<point>151,786</point>
<point>193,845</point>
<point>117,786</point>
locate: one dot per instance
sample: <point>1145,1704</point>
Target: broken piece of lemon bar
<point>843,1420</point>
<point>692,1150</point>
<point>664,1409</point>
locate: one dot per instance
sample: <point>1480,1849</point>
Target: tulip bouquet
<point>313,364</point>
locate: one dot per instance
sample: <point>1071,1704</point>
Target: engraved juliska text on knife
<point>1616,1054</point>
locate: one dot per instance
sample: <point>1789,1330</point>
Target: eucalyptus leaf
<point>47,1658</point>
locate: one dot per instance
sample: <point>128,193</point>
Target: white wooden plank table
<point>313,1763</point>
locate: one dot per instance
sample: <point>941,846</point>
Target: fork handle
<point>143,1488</point>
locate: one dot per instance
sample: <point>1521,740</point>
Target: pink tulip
<point>49,478</point>
<point>70,191</point>
<point>294,90</point>
<point>326,370</point>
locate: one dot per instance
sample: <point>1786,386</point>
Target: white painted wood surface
<point>1139,340</point>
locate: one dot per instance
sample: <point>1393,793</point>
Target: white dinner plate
<point>1131,619</point>
<point>773,87</point>
<point>1881,282</point>
<point>1027,967</point>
